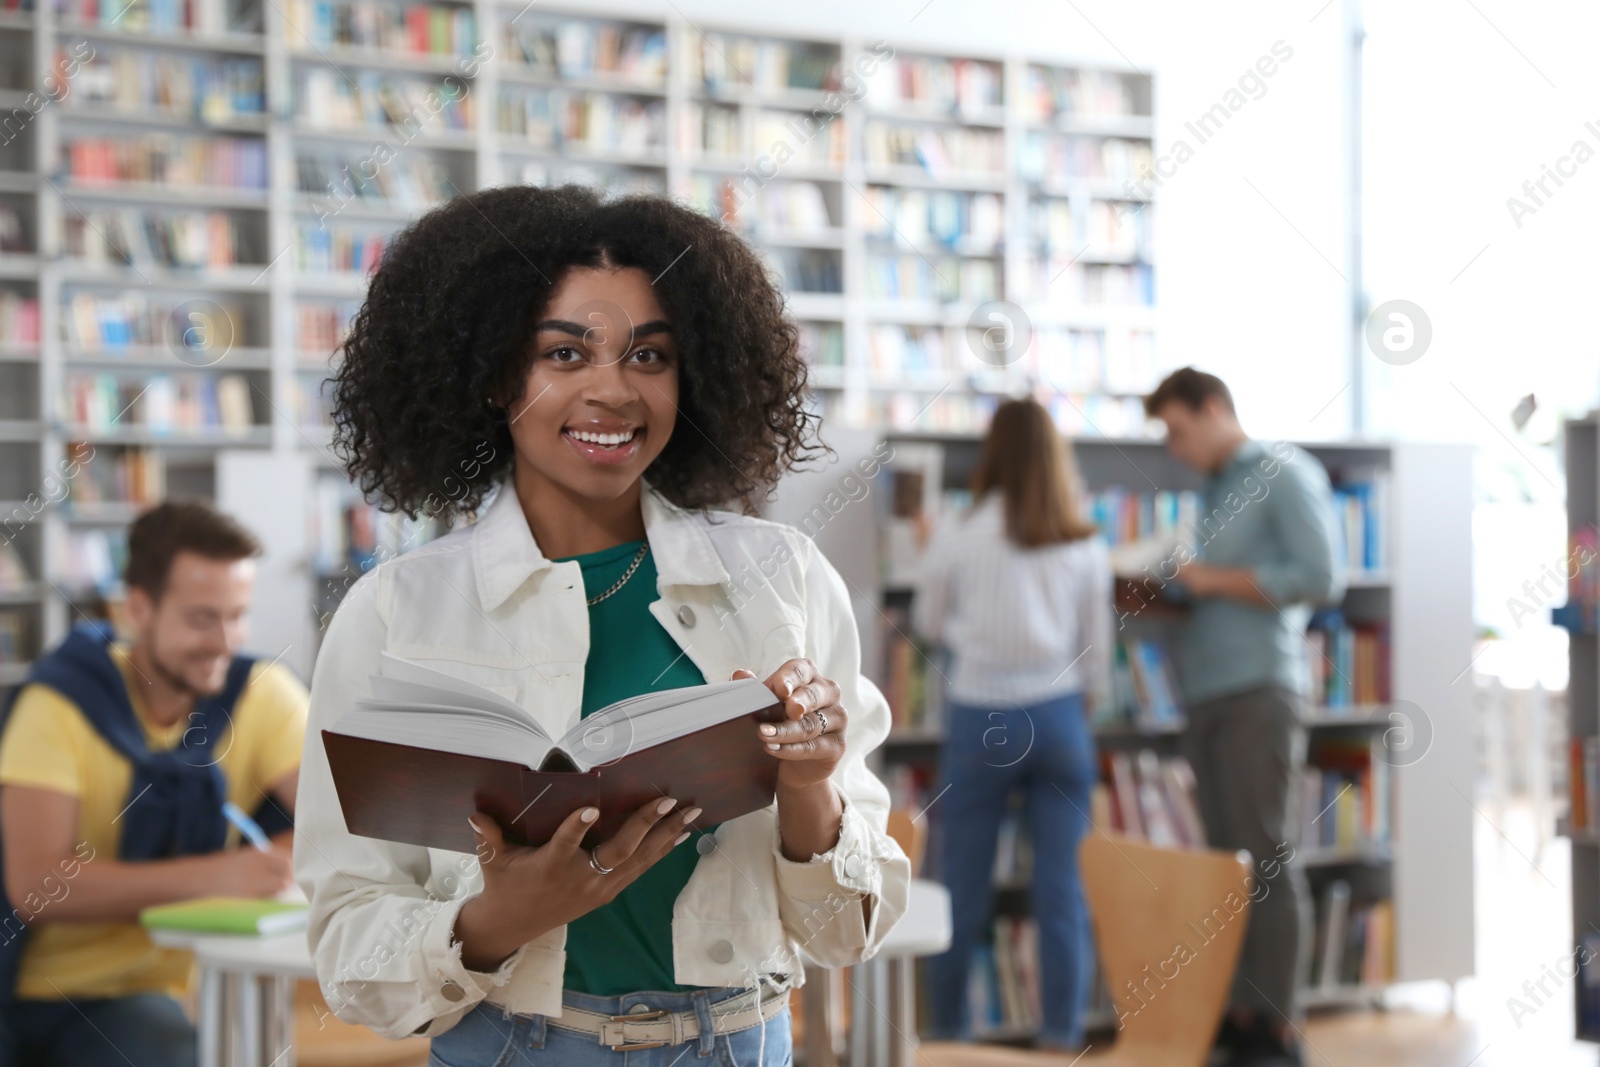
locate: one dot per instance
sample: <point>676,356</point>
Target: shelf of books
<point>1370,867</point>
<point>190,205</point>
<point>1580,616</point>
<point>24,597</point>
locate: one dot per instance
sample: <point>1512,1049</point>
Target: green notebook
<point>226,915</point>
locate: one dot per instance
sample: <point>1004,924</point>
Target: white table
<point>246,1009</point>
<point>883,990</point>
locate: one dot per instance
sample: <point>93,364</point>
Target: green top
<point>626,946</point>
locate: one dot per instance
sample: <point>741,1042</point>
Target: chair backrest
<point>1168,925</point>
<point>911,835</point>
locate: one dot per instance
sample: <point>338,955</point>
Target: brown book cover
<point>421,796</point>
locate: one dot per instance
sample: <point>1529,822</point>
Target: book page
<point>1142,558</point>
<point>406,672</point>
<point>446,728</point>
<point>424,708</point>
<point>652,718</point>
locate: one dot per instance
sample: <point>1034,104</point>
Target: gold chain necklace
<point>638,558</point>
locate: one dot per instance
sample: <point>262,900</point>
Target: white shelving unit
<point>1424,597</point>
<point>1023,143</point>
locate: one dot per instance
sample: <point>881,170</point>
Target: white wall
<point>1466,103</point>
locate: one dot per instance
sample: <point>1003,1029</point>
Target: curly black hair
<point>451,309</point>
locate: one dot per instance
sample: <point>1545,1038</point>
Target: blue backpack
<point>175,801</point>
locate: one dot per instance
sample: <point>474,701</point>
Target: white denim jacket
<point>484,604</point>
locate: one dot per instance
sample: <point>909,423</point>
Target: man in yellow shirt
<point>115,762</point>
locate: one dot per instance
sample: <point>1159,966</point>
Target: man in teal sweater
<point>1267,549</point>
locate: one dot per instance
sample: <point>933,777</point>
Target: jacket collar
<point>504,553</point>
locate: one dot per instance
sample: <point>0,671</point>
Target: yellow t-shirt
<point>49,744</point>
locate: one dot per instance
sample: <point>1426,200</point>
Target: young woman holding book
<point>588,379</point>
<point>1019,589</point>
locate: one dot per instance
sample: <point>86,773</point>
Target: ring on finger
<point>594,861</point>
<point>822,718</point>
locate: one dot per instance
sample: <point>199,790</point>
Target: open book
<point>414,760</point>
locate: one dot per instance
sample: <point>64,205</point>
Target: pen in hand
<point>246,825</point>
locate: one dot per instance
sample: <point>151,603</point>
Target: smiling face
<point>600,397</point>
<point>191,632</point>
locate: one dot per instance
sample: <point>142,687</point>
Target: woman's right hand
<point>528,891</point>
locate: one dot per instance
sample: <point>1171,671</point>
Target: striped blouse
<point>1022,625</point>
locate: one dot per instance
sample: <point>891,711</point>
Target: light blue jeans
<point>487,1037</point>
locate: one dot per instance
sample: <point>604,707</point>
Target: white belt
<point>642,1028</point>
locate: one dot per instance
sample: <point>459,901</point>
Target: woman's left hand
<point>811,743</point>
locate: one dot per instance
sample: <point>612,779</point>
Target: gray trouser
<point>1247,750</point>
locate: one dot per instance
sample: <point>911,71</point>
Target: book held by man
<point>415,759</point>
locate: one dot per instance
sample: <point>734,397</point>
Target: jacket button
<point>686,615</point>
<point>452,992</point>
<point>706,845</point>
<point>852,865</point>
<point>722,951</point>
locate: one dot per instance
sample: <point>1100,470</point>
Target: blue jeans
<point>146,1030</point>
<point>1047,751</point>
<point>487,1037</point>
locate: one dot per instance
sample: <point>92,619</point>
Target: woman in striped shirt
<point>1019,589</point>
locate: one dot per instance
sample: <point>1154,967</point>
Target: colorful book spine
<point>108,322</point>
<point>1362,509</point>
<point>19,319</point>
<point>118,476</point>
<point>415,107</point>
<point>15,644</point>
<point>168,159</point>
<point>1346,796</point>
<point>912,681</point>
<point>94,559</point>
<point>187,240</point>
<point>939,152</point>
<point>1123,515</point>
<point>1150,798</point>
<point>1583,784</point>
<point>1051,92</point>
<point>574,48</point>
<point>1348,663</point>
<point>421,29</point>
<point>1354,941</point>
<point>160,403</point>
<point>337,249</point>
<point>210,89</point>
<point>320,328</point>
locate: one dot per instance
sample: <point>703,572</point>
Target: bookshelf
<point>1382,844</point>
<point>1578,616</point>
<point>228,151</point>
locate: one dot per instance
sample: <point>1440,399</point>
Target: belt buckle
<point>637,1017</point>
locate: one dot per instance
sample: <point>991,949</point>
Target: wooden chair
<point>911,835</point>
<point>322,1040</point>
<point>1146,902</point>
